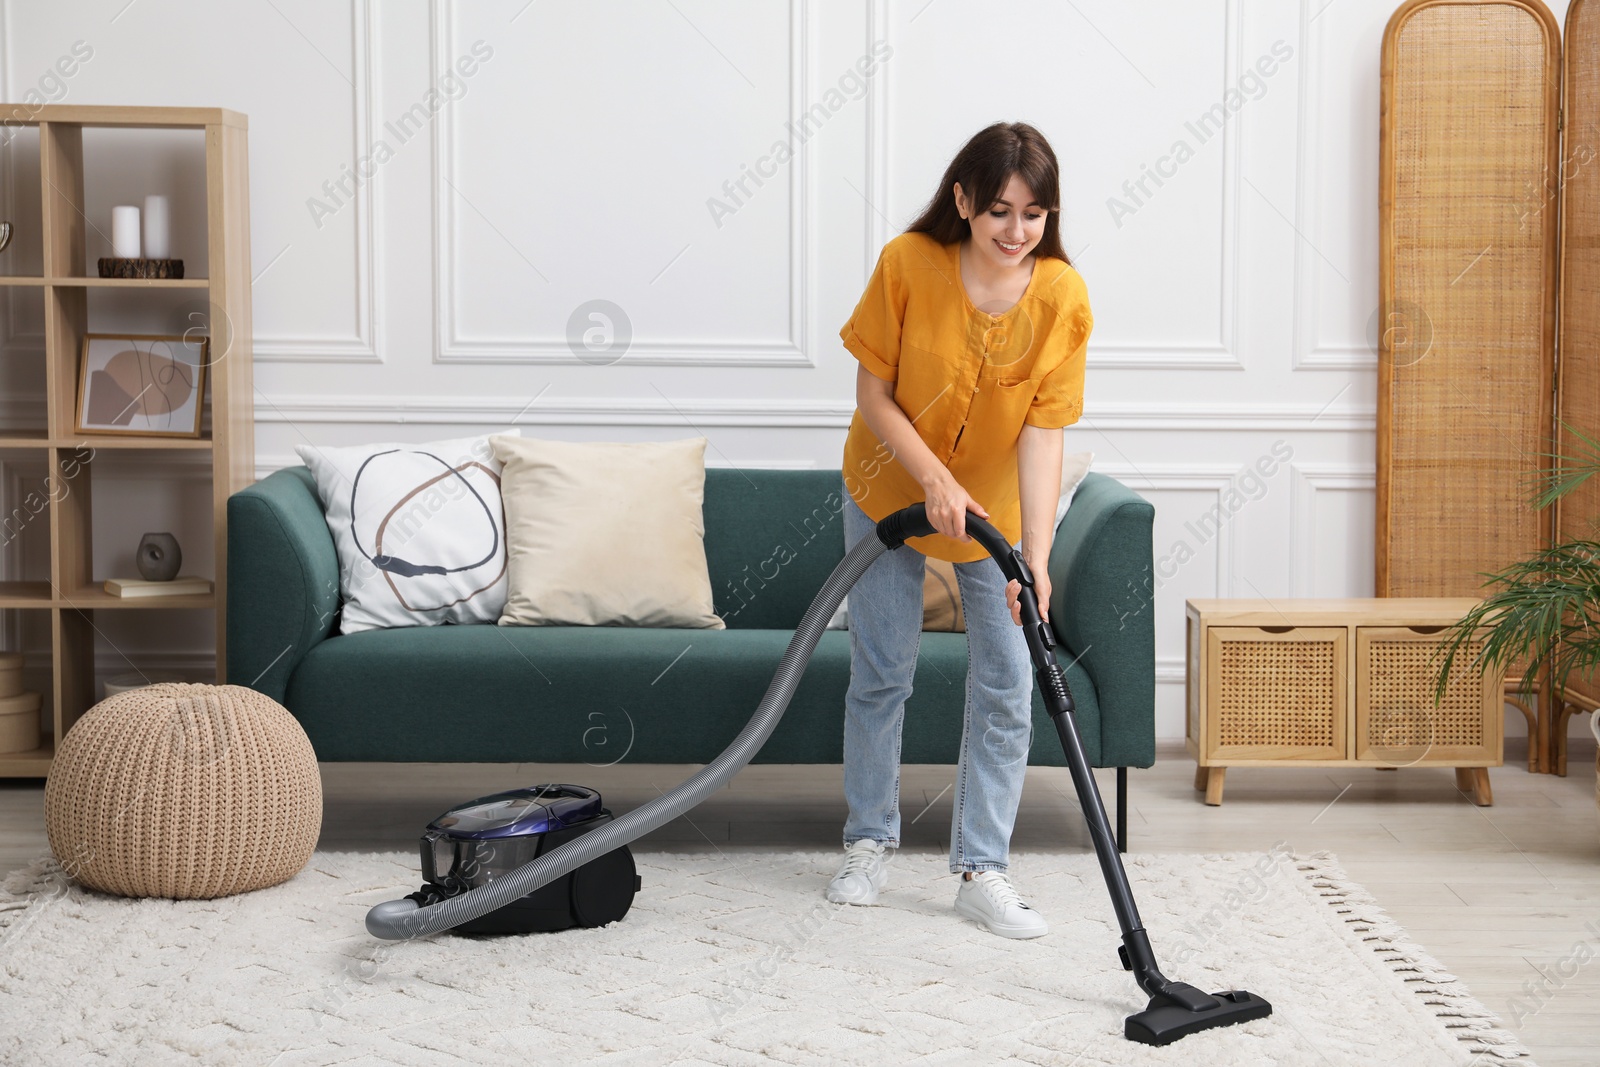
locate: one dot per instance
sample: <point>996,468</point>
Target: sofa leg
<point>1122,809</point>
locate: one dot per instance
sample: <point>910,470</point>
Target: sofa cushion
<point>941,598</point>
<point>606,533</point>
<point>419,530</point>
<point>486,693</point>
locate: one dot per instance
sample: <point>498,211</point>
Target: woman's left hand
<point>1041,588</point>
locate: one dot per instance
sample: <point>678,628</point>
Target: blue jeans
<point>885,635</point>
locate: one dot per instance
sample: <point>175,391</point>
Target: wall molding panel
<point>452,346</point>
<point>1197,355</point>
<point>366,345</point>
<point>1309,480</point>
<point>1309,352</point>
<point>1210,479</point>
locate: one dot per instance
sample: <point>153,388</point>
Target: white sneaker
<point>862,874</point>
<point>991,899</point>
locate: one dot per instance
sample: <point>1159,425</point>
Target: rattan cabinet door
<point>1397,722</point>
<point>1278,693</point>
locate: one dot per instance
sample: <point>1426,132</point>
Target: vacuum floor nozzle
<point>1164,1022</point>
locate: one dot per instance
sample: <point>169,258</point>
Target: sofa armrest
<point>1103,613</point>
<point>283,579</point>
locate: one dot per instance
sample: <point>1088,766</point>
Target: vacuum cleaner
<point>549,857</point>
<point>488,838</point>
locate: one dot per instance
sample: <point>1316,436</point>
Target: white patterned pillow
<point>419,528</point>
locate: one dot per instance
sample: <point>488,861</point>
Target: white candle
<point>157,229</point>
<point>125,231</point>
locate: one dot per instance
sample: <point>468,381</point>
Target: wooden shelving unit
<point>73,593</point>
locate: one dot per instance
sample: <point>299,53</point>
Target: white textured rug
<point>729,958</point>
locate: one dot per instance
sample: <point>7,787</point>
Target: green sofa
<point>604,694</point>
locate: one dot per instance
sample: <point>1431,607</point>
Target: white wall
<point>1235,298</point>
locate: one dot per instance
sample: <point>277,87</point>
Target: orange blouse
<point>967,380</point>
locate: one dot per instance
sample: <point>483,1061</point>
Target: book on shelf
<point>179,586</point>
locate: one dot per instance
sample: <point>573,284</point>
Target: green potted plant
<point>1547,605</point>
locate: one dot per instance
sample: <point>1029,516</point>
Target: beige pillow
<point>941,596</point>
<point>605,534</point>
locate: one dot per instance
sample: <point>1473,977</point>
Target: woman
<point>971,337</point>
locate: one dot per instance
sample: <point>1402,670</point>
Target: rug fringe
<point>21,889</point>
<point>1441,990</point>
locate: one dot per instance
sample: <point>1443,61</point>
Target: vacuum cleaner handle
<point>913,521</point>
<point>1041,639</point>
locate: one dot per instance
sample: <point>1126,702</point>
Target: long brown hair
<point>983,167</point>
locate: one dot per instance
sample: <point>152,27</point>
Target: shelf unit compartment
<point>1396,720</point>
<point>71,520</point>
<point>23,260</point>
<point>149,489</point>
<point>26,501</point>
<point>121,165</point>
<point>150,640</point>
<point>72,631</point>
<point>1276,692</point>
<point>28,631</point>
<point>171,312</point>
<point>65,320</point>
<point>24,374</point>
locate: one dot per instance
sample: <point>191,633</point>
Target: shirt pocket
<point>1005,376</point>
<point>1005,388</point>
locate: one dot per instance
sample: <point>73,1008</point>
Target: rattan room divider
<point>1489,288</point>
<point>1578,335</point>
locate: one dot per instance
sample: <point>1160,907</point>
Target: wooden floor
<point>1507,897</point>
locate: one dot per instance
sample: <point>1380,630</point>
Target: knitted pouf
<point>184,791</point>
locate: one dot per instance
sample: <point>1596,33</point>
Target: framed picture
<point>144,384</point>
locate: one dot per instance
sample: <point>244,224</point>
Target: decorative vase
<point>5,235</point>
<point>159,557</point>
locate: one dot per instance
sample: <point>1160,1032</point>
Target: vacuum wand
<point>1176,1009</point>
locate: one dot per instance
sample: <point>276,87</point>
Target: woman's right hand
<point>947,505</point>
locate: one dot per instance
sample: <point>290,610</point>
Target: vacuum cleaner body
<point>483,839</point>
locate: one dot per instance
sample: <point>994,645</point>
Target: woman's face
<point>1011,228</point>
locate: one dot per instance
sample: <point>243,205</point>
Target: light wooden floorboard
<point>1502,896</point>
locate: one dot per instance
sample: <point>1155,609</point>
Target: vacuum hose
<point>398,920</point>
